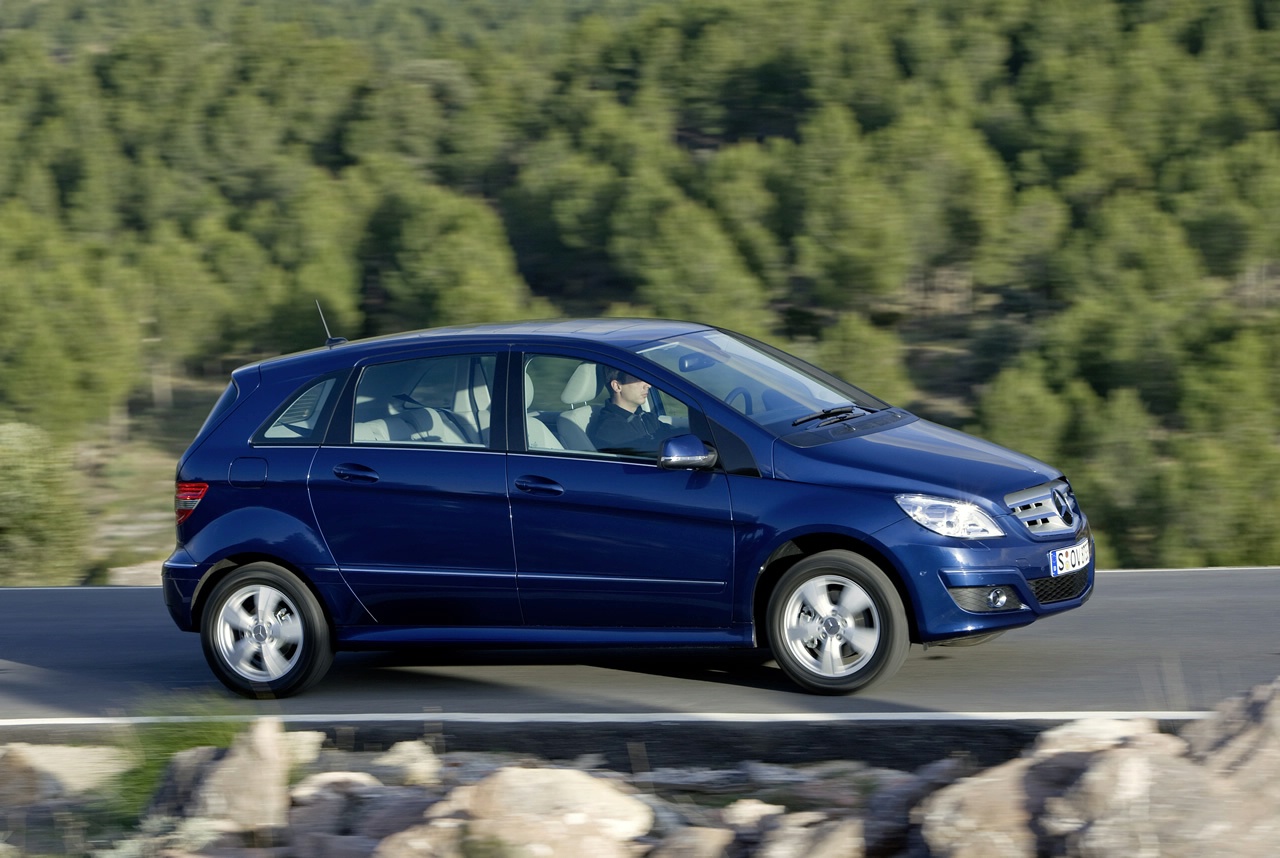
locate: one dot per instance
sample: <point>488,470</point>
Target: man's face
<point>630,393</point>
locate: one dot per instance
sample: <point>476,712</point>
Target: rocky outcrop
<point>1109,789</point>
<point>1092,788</point>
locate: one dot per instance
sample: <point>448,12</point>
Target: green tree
<point>1123,482</point>
<point>1134,279</point>
<point>870,357</point>
<point>1020,411</point>
<point>684,265</point>
<point>853,241</point>
<point>68,342</point>
<point>738,185</point>
<point>432,257</point>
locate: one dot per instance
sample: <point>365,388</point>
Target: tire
<point>264,634</point>
<point>837,624</point>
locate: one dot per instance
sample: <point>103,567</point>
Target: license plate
<point>1064,561</point>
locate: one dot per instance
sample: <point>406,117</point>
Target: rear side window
<point>301,419</point>
<point>444,400</point>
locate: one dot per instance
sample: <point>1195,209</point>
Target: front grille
<point>1061,588</point>
<point>1046,510</point>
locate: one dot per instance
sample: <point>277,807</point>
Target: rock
<point>983,816</point>
<point>21,783</point>
<point>696,780</point>
<point>318,804</point>
<point>749,813</point>
<point>382,811</point>
<point>555,812</point>
<point>837,785</point>
<point>412,762</point>
<point>303,747</point>
<point>1090,735</point>
<point>321,845</point>
<point>773,775</point>
<point>356,804</point>
<point>470,767</point>
<point>671,816</point>
<point>887,823</point>
<point>1241,741</point>
<point>812,835</point>
<point>695,842</point>
<point>184,774</point>
<point>405,764</point>
<point>249,785</point>
<point>1143,799</point>
<point>75,770</point>
<point>1094,788</point>
<point>438,839</point>
<point>1106,789</point>
<point>341,784</point>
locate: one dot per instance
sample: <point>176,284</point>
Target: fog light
<point>987,599</point>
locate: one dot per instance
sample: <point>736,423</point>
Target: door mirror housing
<point>686,453</point>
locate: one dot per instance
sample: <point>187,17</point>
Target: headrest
<point>582,385</point>
<point>528,391</point>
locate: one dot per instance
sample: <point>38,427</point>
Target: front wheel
<point>264,634</point>
<point>837,624</point>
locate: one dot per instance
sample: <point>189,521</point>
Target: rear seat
<point>434,426</point>
<point>409,424</point>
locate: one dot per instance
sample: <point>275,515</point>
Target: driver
<point>623,425</point>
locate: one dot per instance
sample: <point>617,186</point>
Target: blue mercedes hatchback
<point>599,483</point>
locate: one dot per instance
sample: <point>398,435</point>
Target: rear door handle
<point>354,473</point>
<point>539,485</point>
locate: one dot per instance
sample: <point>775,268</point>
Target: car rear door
<point>412,499</point>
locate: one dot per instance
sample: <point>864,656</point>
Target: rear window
<point>302,419</point>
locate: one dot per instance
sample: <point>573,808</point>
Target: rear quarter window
<point>303,417</point>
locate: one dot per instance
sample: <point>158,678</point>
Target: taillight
<point>185,498</point>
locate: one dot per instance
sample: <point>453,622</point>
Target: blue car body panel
<point>505,544</point>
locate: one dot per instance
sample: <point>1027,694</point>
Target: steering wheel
<point>746,398</point>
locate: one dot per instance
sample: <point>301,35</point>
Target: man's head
<point>626,391</point>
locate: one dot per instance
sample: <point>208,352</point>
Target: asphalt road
<point>1168,643</point>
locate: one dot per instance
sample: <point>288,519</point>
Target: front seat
<point>572,423</point>
<point>537,433</point>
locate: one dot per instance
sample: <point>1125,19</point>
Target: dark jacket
<point>614,430</point>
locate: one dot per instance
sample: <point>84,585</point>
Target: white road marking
<point>614,718</point>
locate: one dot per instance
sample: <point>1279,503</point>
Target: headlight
<point>960,519</point>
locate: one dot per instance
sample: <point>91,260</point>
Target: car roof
<point>621,333</point>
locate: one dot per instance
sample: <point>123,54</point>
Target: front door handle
<point>539,485</point>
<point>354,473</point>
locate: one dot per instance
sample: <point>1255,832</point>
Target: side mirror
<point>686,453</point>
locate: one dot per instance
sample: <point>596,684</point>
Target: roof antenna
<point>330,339</point>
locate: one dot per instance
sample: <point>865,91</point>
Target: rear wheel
<point>264,634</point>
<point>837,624</point>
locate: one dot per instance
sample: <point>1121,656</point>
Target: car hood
<point>913,456</point>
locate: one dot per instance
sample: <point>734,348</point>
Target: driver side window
<point>584,407</point>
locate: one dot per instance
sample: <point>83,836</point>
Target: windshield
<point>770,387</point>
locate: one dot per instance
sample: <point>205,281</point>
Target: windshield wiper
<point>838,412</point>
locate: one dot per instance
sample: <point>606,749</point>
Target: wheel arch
<point>224,567</point>
<point>796,549</point>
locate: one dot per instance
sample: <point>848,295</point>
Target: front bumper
<point>964,589</point>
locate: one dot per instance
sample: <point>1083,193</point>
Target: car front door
<point>413,499</point>
<point>605,539</point>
